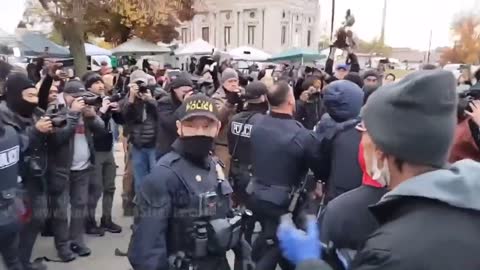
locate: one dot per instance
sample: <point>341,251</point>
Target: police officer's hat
<point>198,105</point>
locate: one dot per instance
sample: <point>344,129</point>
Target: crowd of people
<point>212,152</point>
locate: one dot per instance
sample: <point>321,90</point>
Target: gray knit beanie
<point>228,74</point>
<point>414,120</point>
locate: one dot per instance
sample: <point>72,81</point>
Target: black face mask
<point>196,147</point>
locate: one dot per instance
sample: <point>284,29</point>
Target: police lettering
<point>199,105</point>
<point>9,157</point>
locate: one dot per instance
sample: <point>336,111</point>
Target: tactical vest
<point>203,196</point>
<point>9,158</point>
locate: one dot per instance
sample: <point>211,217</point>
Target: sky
<point>11,13</point>
<point>408,23</point>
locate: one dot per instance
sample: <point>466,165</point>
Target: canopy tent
<point>139,46</point>
<point>92,50</point>
<point>36,44</point>
<point>197,47</point>
<point>297,55</point>
<point>248,54</point>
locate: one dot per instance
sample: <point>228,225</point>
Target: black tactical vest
<point>202,196</point>
<point>9,158</point>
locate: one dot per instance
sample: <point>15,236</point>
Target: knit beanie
<point>227,74</point>
<point>371,73</point>
<point>355,78</point>
<point>414,120</point>
<point>180,81</point>
<point>90,78</point>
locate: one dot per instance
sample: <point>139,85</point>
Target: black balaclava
<point>15,84</point>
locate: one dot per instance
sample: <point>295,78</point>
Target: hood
<point>343,100</point>
<point>457,186</point>
<point>367,180</point>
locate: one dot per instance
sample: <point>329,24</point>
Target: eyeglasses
<point>361,127</point>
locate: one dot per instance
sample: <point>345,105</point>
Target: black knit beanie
<point>90,78</point>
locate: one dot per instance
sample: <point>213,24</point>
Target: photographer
<point>103,181</point>
<point>20,111</point>
<point>167,108</point>
<point>141,120</point>
<point>71,169</point>
<point>310,107</point>
<point>227,99</point>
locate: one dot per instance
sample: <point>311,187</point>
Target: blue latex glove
<point>298,246</point>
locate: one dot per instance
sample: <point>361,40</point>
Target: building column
<point>239,28</point>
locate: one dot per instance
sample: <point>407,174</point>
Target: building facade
<point>270,25</point>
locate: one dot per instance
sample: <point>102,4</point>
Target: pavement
<point>103,248</point>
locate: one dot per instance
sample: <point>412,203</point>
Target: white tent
<point>139,46</point>
<point>91,50</point>
<point>248,54</point>
<point>197,47</point>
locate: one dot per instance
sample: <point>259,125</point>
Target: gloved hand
<point>232,97</point>
<point>298,246</point>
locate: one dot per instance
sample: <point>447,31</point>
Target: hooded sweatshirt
<point>429,222</point>
<point>347,221</point>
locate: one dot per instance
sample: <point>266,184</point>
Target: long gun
<point>296,195</point>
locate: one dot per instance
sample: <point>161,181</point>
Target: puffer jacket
<point>141,120</point>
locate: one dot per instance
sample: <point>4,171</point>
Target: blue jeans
<point>143,161</point>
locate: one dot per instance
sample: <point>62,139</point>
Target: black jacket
<point>283,151</point>
<point>103,142</point>
<point>61,149</point>
<point>309,113</point>
<point>167,110</point>
<point>34,158</point>
<point>141,120</point>
<point>340,140</point>
<point>346,221</point>
<point>429,222</point>
<point>168,204</point>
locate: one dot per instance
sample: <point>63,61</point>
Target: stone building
<point>270,25</point>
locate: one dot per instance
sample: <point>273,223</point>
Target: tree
<point>152,20</point>
<point>115,20</point>
<point>68,17</point>
<point>466,49</point>
<point>374,46</point>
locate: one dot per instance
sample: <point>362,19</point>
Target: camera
<point>57,119</point>
<point>142,87</point>
<point>117,97</point>
<point>464,99</point>
<point>93,100</point>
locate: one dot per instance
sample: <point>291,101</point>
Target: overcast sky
<point>408,21</point>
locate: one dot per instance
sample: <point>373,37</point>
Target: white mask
<point>382,175</point>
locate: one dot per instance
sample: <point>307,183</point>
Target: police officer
<point>239,138</point>
<point>10,143</point>
<point>283,151</point>
<point>183,197</point>
<point>239,144</point>
<point>20,110</point>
